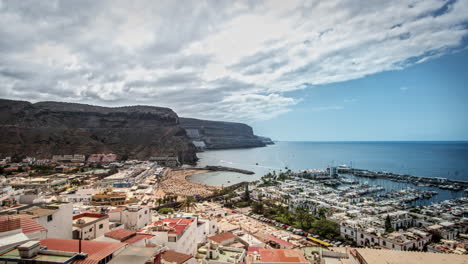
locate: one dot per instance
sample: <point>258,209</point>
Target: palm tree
<point>188,204</point>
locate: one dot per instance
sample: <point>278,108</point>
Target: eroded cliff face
<point>222,135</point>
<point>48,128</point>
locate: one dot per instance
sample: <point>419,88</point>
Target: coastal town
<point>100,209</point>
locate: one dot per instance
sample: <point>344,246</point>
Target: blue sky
<point>428,101</point>
<point>294,70</point>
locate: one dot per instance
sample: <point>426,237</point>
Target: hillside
<point>222,135</point>
<point>47,128</point>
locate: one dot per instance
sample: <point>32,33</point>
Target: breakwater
<point>218,168</point>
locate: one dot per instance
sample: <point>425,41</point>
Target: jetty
<point>218,168</point>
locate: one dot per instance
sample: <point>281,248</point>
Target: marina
<point>443,183</point>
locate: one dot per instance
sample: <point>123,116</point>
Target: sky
<point>294,70</point>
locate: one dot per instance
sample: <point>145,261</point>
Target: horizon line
<point>370,141</point>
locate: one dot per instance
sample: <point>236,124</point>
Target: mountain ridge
<point>47,128</point>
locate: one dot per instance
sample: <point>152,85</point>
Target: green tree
<point>326,228</point>
<point>257,207</point>
<point>322,213</point>
<point>188,204</point>
<point>388,225</point>
<point>301,217</point>
<point>282,177</point>
<point>165,211</point>
<point>436,237</point>
<point>247,193</point>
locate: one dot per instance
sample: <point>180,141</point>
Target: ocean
<point>430,159</point>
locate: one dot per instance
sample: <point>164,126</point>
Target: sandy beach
<point>176,183</point>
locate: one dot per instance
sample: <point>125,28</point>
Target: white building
<point>131,217</point>
<point>55,217</point>
<point>81,195</point>
<point>205,228</point>
<point>179,234</point>
<point>89,226</point>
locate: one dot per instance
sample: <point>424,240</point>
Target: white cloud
<point>213,59</point>
<point>404,88</point>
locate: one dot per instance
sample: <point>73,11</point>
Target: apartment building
<point>131,217</point>
<point>89,226</point>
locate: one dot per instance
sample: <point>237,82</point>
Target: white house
<point>179,234</point>
<point>55,217</point>
<point>131,217</point>
<point>89,226</point>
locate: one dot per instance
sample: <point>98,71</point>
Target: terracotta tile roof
<point>96,250</point>
<point>25,222</point>
<point>127,236</point>
<point>118,209</point>
<point>9,224</point>
<point>251,250</point>
<point>178,225</point>
<point>120,234</point>
<point>281,256</point>
<point>279,241</point>
<point>175,257</point>
<point>219,238</point>
<point>89,214</point>
<point>137,238</point>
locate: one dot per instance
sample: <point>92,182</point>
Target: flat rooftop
<point>14,254</point>
<point>379,256</point>
<point>228,255</point>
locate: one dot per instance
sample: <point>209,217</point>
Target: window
<point>49,218</point>
<point>362,236</point>
<point>101,226</point>
<point>172,239</point>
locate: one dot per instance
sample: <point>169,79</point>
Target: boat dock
<point>443,183</point>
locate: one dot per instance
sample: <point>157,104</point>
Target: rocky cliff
<point>222,135</point>
<point>47,128</point>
